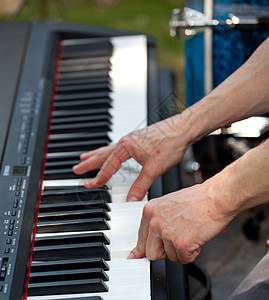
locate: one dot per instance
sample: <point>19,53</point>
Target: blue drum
<point>230,46</point>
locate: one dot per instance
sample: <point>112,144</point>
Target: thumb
<point>136,254</point>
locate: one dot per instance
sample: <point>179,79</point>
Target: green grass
<point>145,16</point>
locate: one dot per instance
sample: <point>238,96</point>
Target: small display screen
<point>20,170</point>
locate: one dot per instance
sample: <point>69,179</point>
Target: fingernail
<point>131,256</point>
<point>132,199</point>
<point>75,168</point>
<point>89,183</point>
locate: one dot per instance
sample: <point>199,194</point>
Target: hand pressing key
<point>157,148</point>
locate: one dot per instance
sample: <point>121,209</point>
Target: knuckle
<point>155,224</point>
<point>125,140</point>
<point>149,172</point>
<point>167,234</point>
<point>148,209</point>
<point>179,244</point>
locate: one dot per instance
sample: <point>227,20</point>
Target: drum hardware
<point>188,22</point>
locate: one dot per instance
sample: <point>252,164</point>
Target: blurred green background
<point>150,17</point>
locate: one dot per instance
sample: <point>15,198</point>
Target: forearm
<point>243,184</point>
<point>245,93</point>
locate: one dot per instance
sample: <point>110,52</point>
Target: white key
<point>129,81</point>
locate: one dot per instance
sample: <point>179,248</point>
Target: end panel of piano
<point>22,163</point>
<point>169,280</point>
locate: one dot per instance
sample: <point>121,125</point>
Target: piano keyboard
<point>124,279</point>
<point>82,239</point>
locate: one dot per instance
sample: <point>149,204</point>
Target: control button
<point>1,288</point>
<point>18,188</point>
<point>8,241</point>
<point>3,271</point>
<point>23,160</point>
<point>11,227</point>
<point>13,213</point>
<point>7,250</point>
<point>15,204</point>
<point>12,221</point>
<point>17,194</point>
<point>10,232</point>
<point>3,274</point>
<point>19,179</point>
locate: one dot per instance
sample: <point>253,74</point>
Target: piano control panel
<point>16,164</point>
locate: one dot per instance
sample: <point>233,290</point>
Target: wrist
<point>188,126</point>
<point>223,193</point>
<point>243,184</point>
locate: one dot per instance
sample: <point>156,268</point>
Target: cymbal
<point>9,7</point>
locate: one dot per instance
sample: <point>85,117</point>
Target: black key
<point>89,224</point>
<point>84,61</point>
<point>69,251</point>
<point>77,145</point>
<point>67,287</point>
<point>86,48</point>
<point>76,274</point>
<point>83,104</point>
<point>66,173</point>
<point>69,264</point>
<point>81,96</point>
<point>79,204</point>
<point>72,215</point>
<point>75,205</point>
<point>86,52</point>
<point>63,156</point>
<point>84,74</point>
<point>86,196</point>
<point>61,164</point>
<point>78,238</point>
<point>69,68</point>
<point>101,79</point>
<point>87,112</point>
<point>80,119</point>
<point>81,127</point>
<point>81,136</point>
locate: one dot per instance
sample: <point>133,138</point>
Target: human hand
<point>177,225</point>
<point>157,148</point>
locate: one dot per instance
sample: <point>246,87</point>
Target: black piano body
<point>28,57</point>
